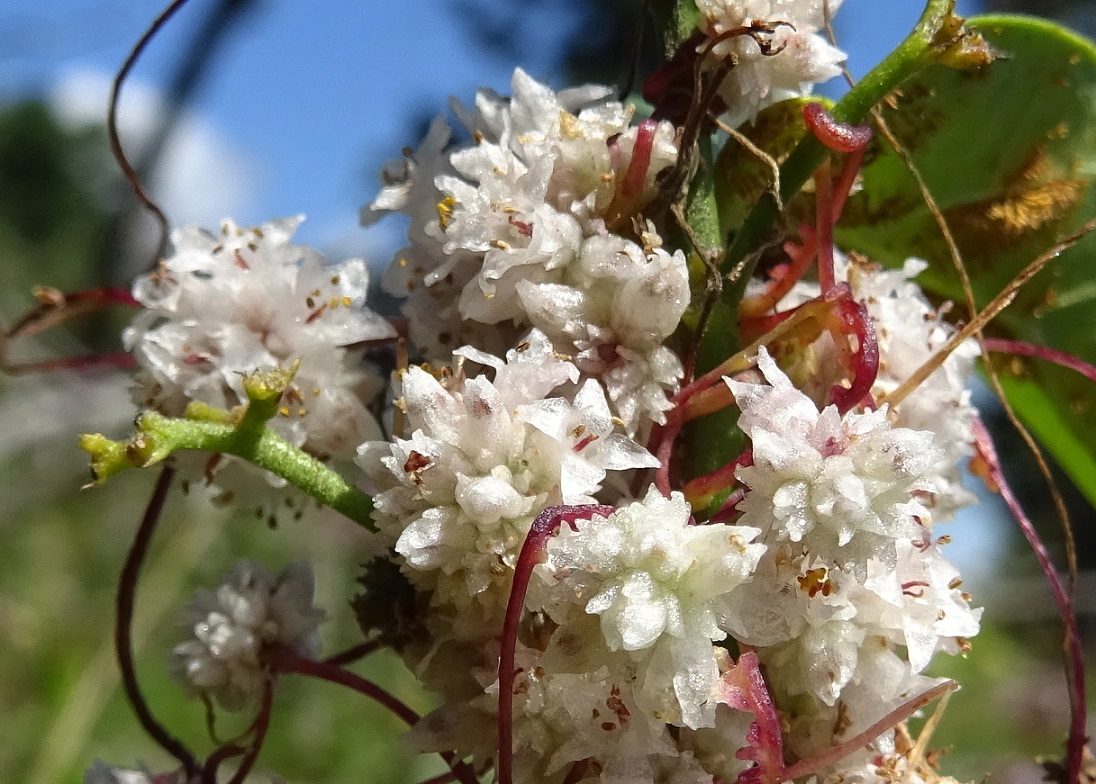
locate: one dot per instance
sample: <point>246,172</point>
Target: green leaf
<point>1009,154</point>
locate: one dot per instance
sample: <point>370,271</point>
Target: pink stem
<point>703,487</point>
<point>661,445</point>
<point>1075,677</point>
<point>628,195</point>
<point>545,526</point>
<point>577,772</point>
<point>801,253</point>
<point>353,653</point>
<point>262,724</point>
<point>1025,349</point>
<point>743,687</point>
<point>729,509</point>
<point>287,661</point>
<point>632,187</point>
<point>845,180</point>
<point>864,364</point>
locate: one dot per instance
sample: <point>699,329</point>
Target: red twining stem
<point>288,661</point>
<point>703,488</point>
<point>630,192</point>
<point>545,526</point>
<point>1075,676</point>
<point>838,136</point>
<point>853,321</point>
<point>823,227</point>
<point>1042,352</point>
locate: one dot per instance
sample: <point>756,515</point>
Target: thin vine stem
<point>286,661</point>
<point>123,627</point>
<point>262,724</point>
<point>119,153</point>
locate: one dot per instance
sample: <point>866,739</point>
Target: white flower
<point>799,56</point>
<point>457,497</point>
<point>909,331</point>
<point>572,701</point>
<point>245,300</point>
<point>520,224</point>
<point>250,611</point>
<point>614,309</point>
<point>655,581</point>
<point>845,487</point>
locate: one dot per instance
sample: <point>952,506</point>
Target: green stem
<point>938,38</point>
<point>242,433</point>
<point>267,450</point>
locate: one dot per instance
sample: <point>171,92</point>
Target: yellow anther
<point>445,211</point>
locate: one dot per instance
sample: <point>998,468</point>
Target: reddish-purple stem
<point>1075,675</point>
<point>1025,349</point>
<point>218,758</point>
<point>845,180</point>
<point>632,187</point>
<point>123,622</point>
<point>727,512</point>
<point>262,724</point>
<point>544,527</point>
<point>664,449</point>
<point>720,479</point>
<point>838,136</point>
<point>743,687</point>
<point>353,653</point>
<point>856,322</point>
<point>112,119</point>
<point>55,308</point>
<point>823,226</point>
<point>577,772</point>
<point>288,661</point>
<point>630,191</point>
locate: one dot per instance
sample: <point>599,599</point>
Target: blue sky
<point>313,101</point>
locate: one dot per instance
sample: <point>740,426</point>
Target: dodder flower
<point>842,486</point>
<point>526,227</point>
<point>250,611</point>
<point>248,299</point>
<point>457,497</point>
<point>799,57</point>
<point>658,585</point>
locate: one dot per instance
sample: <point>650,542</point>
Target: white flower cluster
<point>515,496</point>
<point>483,458</point>
<point>535,224</point>
<point>251,611</point>
<point>768,67</point>
<point>227,304</point>
<point>828,568</point>
<point>909,331</point>
<point>850,553</point>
